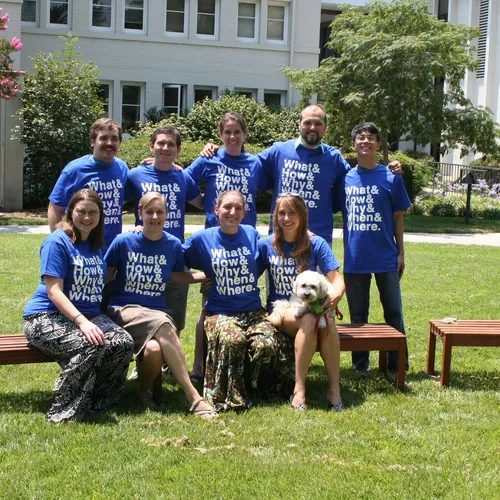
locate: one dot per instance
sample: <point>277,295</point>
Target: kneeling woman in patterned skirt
<point>241,342</point>
<point>142,264</point>
<point>63,320</point>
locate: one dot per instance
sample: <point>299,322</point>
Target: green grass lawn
<point>413,223</point>
<point>424,443</point>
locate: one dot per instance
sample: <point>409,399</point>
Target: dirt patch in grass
<point>37,213</point>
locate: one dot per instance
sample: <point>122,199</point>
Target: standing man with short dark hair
<point>100,171</point>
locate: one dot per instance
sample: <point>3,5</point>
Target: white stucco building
<point>175,52</point>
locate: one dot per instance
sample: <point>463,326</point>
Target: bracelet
<point>77,316</point>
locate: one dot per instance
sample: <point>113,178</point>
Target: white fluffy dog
<point>310,290</point>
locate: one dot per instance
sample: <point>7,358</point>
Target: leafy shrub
<point>60,103</point>
<point>203,119</point>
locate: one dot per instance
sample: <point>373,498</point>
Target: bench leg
<point>445,370</point>
<point>431,353</point>
<point>400,375</point>
<point>382,362</point>
<point>157,383</point>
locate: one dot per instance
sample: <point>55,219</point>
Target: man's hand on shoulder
<point>209,150</point>
<point>395,167</point>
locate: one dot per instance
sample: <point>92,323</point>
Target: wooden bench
<point>15,350</point>
<point>478,333</point>
<point>376,337</point>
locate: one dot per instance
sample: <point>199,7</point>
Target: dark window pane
<point>206,25</point>
<point>171,98</point>
<point>130,115</point>
<point>131,94</point>
<point>206,6</point>
<point>272,100</point>
<point>175,22</point>
<point>201,94</point>
<point>28,11</point>
<point>133,19</point>
<point>175,5</point>
<point>58,13</point>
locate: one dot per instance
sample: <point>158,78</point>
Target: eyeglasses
<point>364,137</point>
<point>289,193</point>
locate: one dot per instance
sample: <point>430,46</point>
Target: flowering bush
<point>451,198</point>
<point>9,85</point>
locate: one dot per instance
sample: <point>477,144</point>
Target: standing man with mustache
<point>100,171</point>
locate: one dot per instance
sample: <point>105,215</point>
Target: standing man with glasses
<point>100,171</point>
<point>373,238</point>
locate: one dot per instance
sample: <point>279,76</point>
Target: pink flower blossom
<point>16,43</point>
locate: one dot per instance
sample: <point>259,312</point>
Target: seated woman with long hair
<point>287,252</point>
<point>142,263</point>
<point>63,319</point>
<point>240,341</point>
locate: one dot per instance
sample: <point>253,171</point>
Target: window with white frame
<point>207,20</point>
<point>59,13</point>
<point>131,105</point>
<point>173,98</point>
<point>202,93</point>
<point>277,22</point>
<point>102,14</point>
<point>248,21</point>
<point>273,99</point>
<point>176,18</point>
<point>135,13</point>
<point>104,92</point>
<point>29,12</point>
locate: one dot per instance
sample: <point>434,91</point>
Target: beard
<point>311,139</point>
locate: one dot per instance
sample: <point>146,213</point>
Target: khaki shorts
<point>140,322</point>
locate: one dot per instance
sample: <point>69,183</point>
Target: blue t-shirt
<point>107,179</point>
<point>282,272</point>
<point>310,173</point>
<point>176,185</point>
<point>143,268</point>
<point>80,268</point>
<point>231,261</point>
<point>224,172</point>
<point>371,198</point>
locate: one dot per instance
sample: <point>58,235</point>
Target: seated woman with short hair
<point>142,263</point>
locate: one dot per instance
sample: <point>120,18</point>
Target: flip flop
<point>300,406</point>
<point>206,413</point>
<point>335,407</point>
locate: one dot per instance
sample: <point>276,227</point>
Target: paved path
<point>485,239</point>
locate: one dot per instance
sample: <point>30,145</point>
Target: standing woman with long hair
<point>63,319</point>
<point>287,252</point>
<point>240,341</point>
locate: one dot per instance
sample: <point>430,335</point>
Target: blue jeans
<point>358,299</point>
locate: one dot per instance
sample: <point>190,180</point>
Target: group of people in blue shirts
<point>240,356</point>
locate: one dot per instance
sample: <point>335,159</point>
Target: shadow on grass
<point>470,381</point>
<point>25,402</point>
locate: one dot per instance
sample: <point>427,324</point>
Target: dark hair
<point>314,106</point>
<point>232,116</point>
<point>96,236</point>
<point>301,250</point>
<point>169,131</point>
<point>365,127</point>
<point>104,124</point>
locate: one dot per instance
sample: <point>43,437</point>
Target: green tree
<point>60,103</point>
<point>392,58</point>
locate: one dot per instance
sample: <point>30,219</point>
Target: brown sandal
<point>203,409</point>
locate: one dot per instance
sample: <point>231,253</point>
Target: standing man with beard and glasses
<point>100,171</point>
<point>308,167</point>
